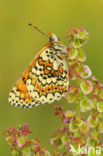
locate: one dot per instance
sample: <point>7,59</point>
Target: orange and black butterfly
<point>46,78</point>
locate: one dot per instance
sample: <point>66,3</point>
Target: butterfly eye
<point>52,38</point>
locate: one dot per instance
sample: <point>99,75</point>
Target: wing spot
<point>53,75</point>
<point>40,69</point>
<point>37,86</point>
<point>49,76</point>
<point>50,99</point>
<point>23,78</point>
<point>29,105</point>
<point>42,91</point>
<point>63,89</point>
<point>58,79</point>
<point>23,106</point>
<point>35,67</point>
<point>56,73</point>
<point>49,89</point>
<point>55,88</point>
<point>18,90</point>
<point>61,69</point>
<point>51,52</point>
<point>44,78</point>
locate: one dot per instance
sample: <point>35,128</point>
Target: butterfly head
<point>53,37</point>
<point>56,43</point>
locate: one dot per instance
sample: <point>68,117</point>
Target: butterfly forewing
<point>19,95</point>
<point>44,81</point>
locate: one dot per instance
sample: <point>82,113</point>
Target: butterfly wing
<point>44,81</point>
<point>19,95</point>
<point>48,79</point>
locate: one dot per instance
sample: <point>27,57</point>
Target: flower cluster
<point>81,127</point>
<point>73,132</point>
<point>20,144</point>
<point>79,74</point>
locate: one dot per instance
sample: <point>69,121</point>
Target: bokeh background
<point>19,43</point>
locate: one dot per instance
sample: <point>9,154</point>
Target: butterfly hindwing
<point>47,81</point>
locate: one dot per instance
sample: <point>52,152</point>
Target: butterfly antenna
<point>35,27</point>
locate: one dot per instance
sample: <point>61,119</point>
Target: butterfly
<point>46,78</point>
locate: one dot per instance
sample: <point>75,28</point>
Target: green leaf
<point>73,53</point>
<point>84,128</point>
<point>59,143</point>
<point>21,140</point>
<point>94,103</point>
<point>78,120</point>
<point>86,86</point>
<point>85,104</point>
<point>73,127</point>
<point>100,106</point>
<point>87,72</point>
<point>91,142</point>
<point>101,94</point>
<point>55,136</point>
<point>15,153</point>
<point>71,98</point>
<point>93,122</point>
<point>77,43</point>
<point>101,127</point>
<point>65,139</point>
<point>95,91</point>
<point>81,55</point>
<point>69,114</point>
<point>81,34</point>
<point>26,151</point>
<point>95,135</point>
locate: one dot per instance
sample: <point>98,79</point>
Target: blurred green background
<point>19,43</point>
